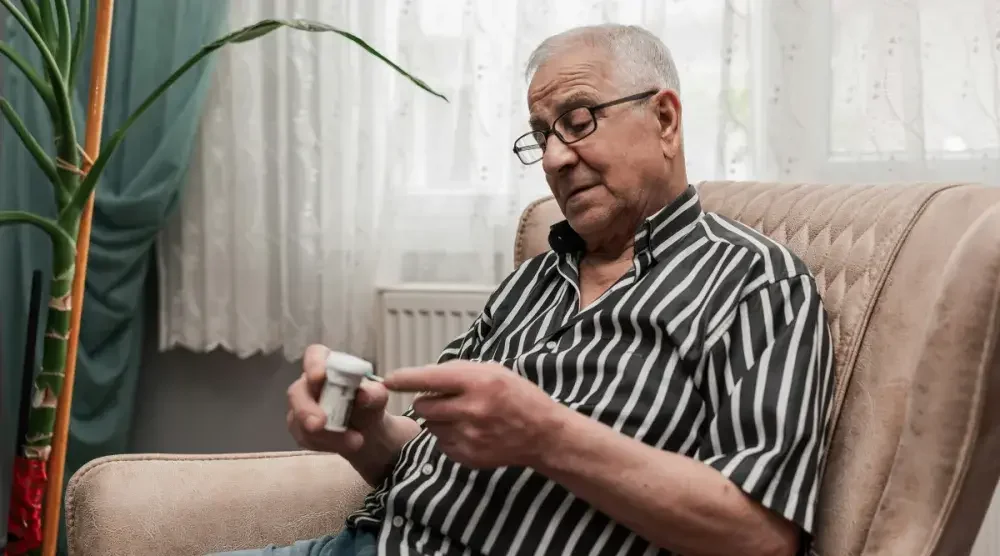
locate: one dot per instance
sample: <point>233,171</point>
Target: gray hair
<point>640,57</point>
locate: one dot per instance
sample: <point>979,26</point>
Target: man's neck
<point>599,270</point>
<point>609,252</point>
<point>619,245</point>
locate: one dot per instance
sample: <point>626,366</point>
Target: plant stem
<point>68,179</point>
<point>49,381</point>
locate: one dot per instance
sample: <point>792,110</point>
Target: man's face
<point>604,182</point>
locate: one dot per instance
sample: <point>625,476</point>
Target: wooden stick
<point>95,121</point>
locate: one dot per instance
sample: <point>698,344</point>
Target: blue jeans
<point>348,542</point>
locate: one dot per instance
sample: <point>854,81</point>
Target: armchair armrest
<point>198,504</point>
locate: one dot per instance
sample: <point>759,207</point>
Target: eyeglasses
<point>570,127</point>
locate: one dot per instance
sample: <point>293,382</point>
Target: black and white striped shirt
<point>715,345</point>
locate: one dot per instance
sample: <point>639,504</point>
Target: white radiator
<point>416,321</point>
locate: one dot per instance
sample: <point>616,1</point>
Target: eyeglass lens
<point>569,128</point>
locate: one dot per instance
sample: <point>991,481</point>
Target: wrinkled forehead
<point>570,78</point>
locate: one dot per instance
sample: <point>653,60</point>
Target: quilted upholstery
<point>848,235</point>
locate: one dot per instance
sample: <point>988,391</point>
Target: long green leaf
<point>65,41</point>
<point>48,23</point>
<point>30,143</point>
<point>58,235</point>
<point>245,34</point>
<point>31,8</point>
<point>262,28</point>
<point>50,62</point>
<point>63,117</point>
<point>82,25</point>
<point>36,80</point>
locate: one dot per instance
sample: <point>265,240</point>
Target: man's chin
<point>589,221</point>
<point>588,212</point>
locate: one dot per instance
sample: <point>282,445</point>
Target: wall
<point>210,403</point>
<point>200,403</point>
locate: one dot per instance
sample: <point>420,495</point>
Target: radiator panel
<point>416,321</point>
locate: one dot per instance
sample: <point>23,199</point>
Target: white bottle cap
<point>347,364</point>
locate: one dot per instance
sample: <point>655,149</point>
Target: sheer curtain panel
<point>319,173</point>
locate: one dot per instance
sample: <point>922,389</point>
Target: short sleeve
<point>773,373</point>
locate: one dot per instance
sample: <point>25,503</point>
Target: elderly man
<point>659,382</point>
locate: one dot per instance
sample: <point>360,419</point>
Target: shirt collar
<point>652,237</point>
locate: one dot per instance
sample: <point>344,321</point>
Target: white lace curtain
<point>320,173</point>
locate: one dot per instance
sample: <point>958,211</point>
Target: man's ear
<point>668,110</point>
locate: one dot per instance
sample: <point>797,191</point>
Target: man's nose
<point>557,156</point>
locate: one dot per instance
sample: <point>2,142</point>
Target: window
<point>910,89</point>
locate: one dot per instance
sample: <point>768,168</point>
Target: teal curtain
<point>22,249</point>
<point>137,193</point>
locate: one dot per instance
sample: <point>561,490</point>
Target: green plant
<point>48,25</point>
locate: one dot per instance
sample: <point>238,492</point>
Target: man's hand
<point>306,419</point>
<point>483,414</point>
<point>374,438</point>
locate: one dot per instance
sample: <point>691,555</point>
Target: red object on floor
<point>24,524</point>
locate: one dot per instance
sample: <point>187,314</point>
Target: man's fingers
<point>300,436</point>
<point>371,395</point>
<point>346,442</point>
<point>450,379</point>
<point>352,441</point>
<point>303,405</point>
<point>314,368</point>
<point>441,409</point>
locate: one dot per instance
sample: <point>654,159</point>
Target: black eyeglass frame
<point>593,117</point>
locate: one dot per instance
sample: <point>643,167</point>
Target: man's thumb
<point>372,396</point>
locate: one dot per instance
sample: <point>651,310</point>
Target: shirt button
<point>551,346</point>
<point>397,521</point>
<point>428,469</point>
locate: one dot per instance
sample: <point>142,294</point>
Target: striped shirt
<point>715,345</point>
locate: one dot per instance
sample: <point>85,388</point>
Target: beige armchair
<point>911,278</point>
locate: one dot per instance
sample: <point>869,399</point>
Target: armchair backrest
<point>910,277</point>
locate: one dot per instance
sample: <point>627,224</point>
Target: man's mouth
<point>579,190</point>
